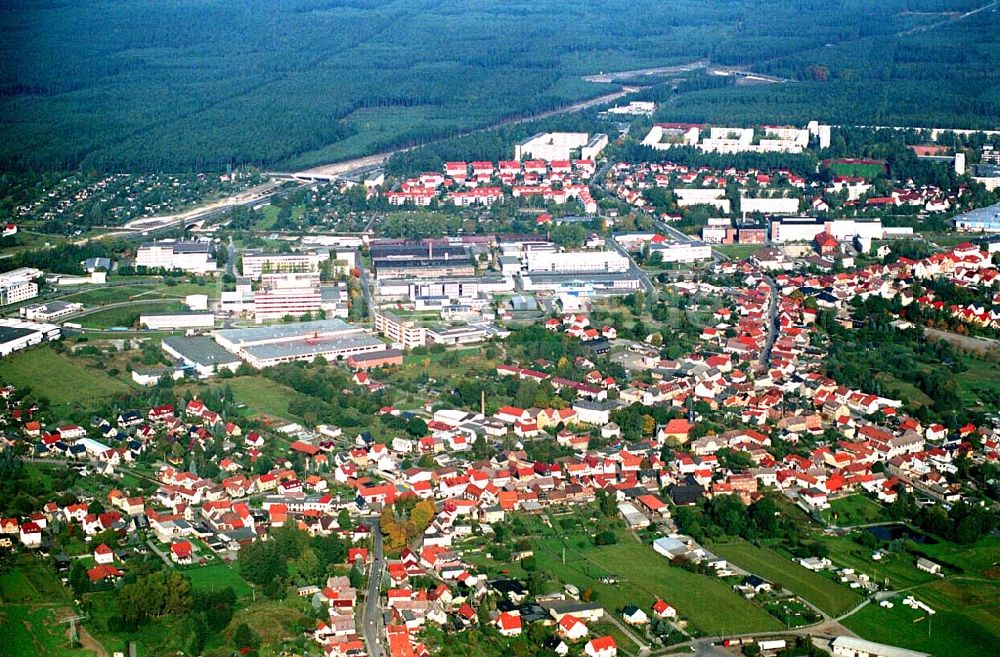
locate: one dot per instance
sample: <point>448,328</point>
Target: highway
<point>371,614</point>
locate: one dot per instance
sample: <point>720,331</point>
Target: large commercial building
<point>332,339</point>
<point>779,205</point>
<point>184,255</point>
<point>256,263</point>
<point>575,261</point>
<point>16,334</point>
<point>200,354</point>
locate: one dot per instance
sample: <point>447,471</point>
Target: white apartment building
<point>406,334</point>
<point>184,255</point>
<point>550,146</point>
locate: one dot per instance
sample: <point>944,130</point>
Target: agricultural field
<point>57,377</point>
<point>813,587</point>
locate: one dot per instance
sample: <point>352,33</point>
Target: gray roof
<point>284,331</point>
<point>299,349</point>
<point>200,350</point>
<point>870,647</point>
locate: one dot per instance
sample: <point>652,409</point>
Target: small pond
<point>896,532</point>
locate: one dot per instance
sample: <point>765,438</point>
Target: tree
<point>261,563</point>
<point>79,581</point>
<point>244,637</point>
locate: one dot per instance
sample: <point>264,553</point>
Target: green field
<point>854,510</point>
<point>737,251</point>
<point>34,630</point>
<point>60,378</point>
<point>709,604</point>
<point>967,621</point>
<point>216,577</point>
<point>105,295</point>
<point>822,592</point>
<point>263,395</point>
<point>855,169</point>
<point>897,569</point>
<point>128,316</point>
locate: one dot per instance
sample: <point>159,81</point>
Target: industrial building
<point>538,260</point>
<point>19,285</point>
<point>277,303</point>
<point>46,312</point>
<point>172,321</point>
<point>983,220</point>
<point>681,251</point>
<point>16,291</point>
<point>421,260</point>
<point>201,354</point>
<point>256,263</point>
<point>804,229</point>
<point>183,255</point>
<point>16,334</point>
<point>454,288</point>
<point>332,339</point>
<point>582,284</point>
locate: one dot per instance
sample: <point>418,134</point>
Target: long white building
<point>576,261</point>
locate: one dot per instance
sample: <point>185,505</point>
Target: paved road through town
<point>371,616</point>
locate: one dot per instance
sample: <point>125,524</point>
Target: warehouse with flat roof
<point>265,346</point>
<point>201,354</point>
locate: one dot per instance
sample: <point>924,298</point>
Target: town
<point>689,389</point>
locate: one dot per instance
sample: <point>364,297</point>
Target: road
<point>372,621</point>
<point>647,285</point>
<point>772,323</point>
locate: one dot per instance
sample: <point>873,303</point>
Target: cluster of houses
<point>485,183</point>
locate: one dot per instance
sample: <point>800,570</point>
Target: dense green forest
<point>198,84</point>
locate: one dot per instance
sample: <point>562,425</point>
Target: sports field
<point>822,592</point>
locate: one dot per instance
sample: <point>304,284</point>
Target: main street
<point>372,621</point>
